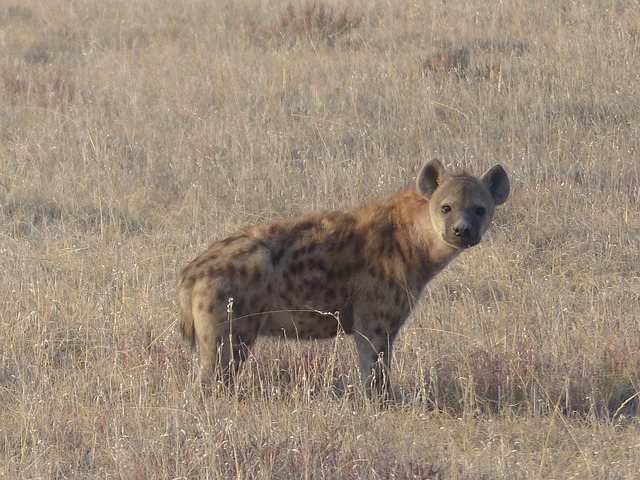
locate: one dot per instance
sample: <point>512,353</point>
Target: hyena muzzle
<point>370,264</point>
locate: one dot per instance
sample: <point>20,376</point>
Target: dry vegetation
<point>134,133</point>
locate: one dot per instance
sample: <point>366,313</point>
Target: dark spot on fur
<point>425,270</point>
<point>306,225</point>
<point>294,268</point>
<point>269,288</point>
<point>256,276</point>
<point>339,273</point>
<point>378,331</point>
<point>371,296</point>
<point>314,264</point>
<point>229,240</point>
<point>396,322</point>
<point>200,305</point>
<point>279,231</point>
<point>400,252</point>
<point>387,249</point>
<point>308,286</point>
<point>385,239</point>
<point>231,270</point>
<point>288,283</point>
<point>358,264</point>
<point>243,272</point>
<point>276,256</point>
<point>254,304</point>
<point>198,275</point>
<point>221,295</point>
<point>375,273</point>
<point>397,297</point>
<point>331,293</point>
<point>401,300</point>
<point>299,252</point>
<point>379,291</point>
<point>238,307</point>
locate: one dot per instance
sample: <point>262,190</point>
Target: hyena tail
<point>186,314</point>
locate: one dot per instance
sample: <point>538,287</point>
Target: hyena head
<point>462,206</point>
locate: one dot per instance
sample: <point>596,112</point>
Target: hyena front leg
<point>374,361</point>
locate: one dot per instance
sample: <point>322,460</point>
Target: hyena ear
<point>431,176</point>
<point>497,181</point>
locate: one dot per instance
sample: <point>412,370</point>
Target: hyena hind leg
<point>233,350</point>
<point>221,360</point>
<point>209,362</point>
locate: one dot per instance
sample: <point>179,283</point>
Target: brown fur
<point>369,264</point>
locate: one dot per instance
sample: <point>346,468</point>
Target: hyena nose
<point>463,231</point>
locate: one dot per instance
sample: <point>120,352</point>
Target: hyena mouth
<point>461,243</point>
<point>465,245</point>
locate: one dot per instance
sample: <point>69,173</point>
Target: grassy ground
<point>134,133</point>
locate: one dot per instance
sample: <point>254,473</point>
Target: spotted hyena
<point>369,264</point>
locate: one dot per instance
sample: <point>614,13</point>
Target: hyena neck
<point>399,240</point>
<point>427,250</point>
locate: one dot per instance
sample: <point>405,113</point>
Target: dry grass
<point>133,134</point>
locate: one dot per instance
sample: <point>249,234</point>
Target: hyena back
<point>369,264</point>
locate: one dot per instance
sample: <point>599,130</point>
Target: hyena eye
<point>446,209</point>
<point>480,211</point>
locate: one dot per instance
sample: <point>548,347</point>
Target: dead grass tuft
<point>49,86</point>
<point>314,22</point>
<point>447,61</point>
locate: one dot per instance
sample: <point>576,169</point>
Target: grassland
<point>135,133</point>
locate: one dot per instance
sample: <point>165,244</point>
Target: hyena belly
<point>301,325</point>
